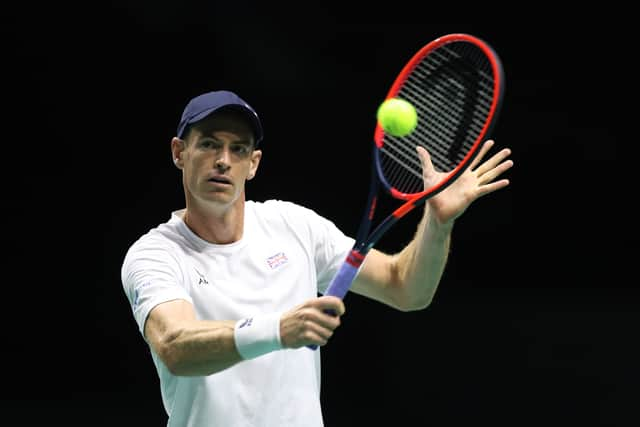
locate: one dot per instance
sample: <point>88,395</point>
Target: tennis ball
<point>397,117</point>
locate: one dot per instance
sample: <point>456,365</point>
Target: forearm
<point>421,263</point>
<point>199,347</point>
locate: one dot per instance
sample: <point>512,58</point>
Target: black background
<point>535,321</point>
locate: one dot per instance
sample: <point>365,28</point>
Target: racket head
<point>456,84</point>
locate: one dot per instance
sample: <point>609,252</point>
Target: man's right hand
<point>312,322</point>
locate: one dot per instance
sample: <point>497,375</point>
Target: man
<point>225,292</point>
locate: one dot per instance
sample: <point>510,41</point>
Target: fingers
<point>332,303</point>
<point>490,188</point>
<point>494,161</point>
<point>493,167</point>
<point>483,151</point>
<point>483,173</point>
<point>490,170</point>
<point>425,160</point>
<point>312,322</point>
<point>427,166</point>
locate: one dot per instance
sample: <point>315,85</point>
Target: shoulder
<point>293,216</point>
<point>286,215</point>
<point>160,243</point>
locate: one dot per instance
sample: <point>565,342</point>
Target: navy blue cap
<point>203,105</point>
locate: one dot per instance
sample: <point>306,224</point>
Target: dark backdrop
<point>535,319</point>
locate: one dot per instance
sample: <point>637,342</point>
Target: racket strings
<point>452,90</point>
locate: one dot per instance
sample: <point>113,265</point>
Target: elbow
<point>413,298</point>
<point>168,351</point>
<point>407,302</point>
<point>173,364</point>
<point>416,297</point>
<point>414,304</point>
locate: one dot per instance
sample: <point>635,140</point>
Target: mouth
<point>218,179</point>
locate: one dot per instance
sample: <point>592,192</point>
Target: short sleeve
<point>150,276</point>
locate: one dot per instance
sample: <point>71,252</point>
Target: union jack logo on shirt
<point>275,261</point>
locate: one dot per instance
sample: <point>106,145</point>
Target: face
<point>217,158</point>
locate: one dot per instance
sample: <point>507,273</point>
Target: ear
<point>177,148</point>
<point>255,162</point>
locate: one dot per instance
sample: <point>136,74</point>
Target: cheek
<point>191,171</point>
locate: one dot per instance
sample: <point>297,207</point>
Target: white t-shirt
<point>287,255</point>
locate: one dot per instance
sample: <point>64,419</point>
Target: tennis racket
<point>456,83</point>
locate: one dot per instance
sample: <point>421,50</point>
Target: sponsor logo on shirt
<point>277,260</point>
<point>203,280</point>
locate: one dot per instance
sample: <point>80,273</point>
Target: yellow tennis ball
<point>397,117</point>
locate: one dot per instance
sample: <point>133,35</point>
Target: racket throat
<point>356,257</point>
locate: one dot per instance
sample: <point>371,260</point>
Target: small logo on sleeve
<point>246,322</point>
<point>136,297</point>
<point>277,260</point>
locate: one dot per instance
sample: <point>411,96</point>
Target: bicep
<point>165,318</point>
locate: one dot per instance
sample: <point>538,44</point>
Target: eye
<point>209,143</point>
<point>240,149</point>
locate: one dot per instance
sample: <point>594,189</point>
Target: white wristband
<point>257,335</point>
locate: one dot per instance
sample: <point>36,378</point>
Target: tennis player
<point>227,293</point>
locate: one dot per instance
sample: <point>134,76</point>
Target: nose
<point>222,160</point>
<point>221,165</point>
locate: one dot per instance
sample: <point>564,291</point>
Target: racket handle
<point>339,286</point>
<point>342,280</point>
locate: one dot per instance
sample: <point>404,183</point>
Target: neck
<point>215,225</point>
